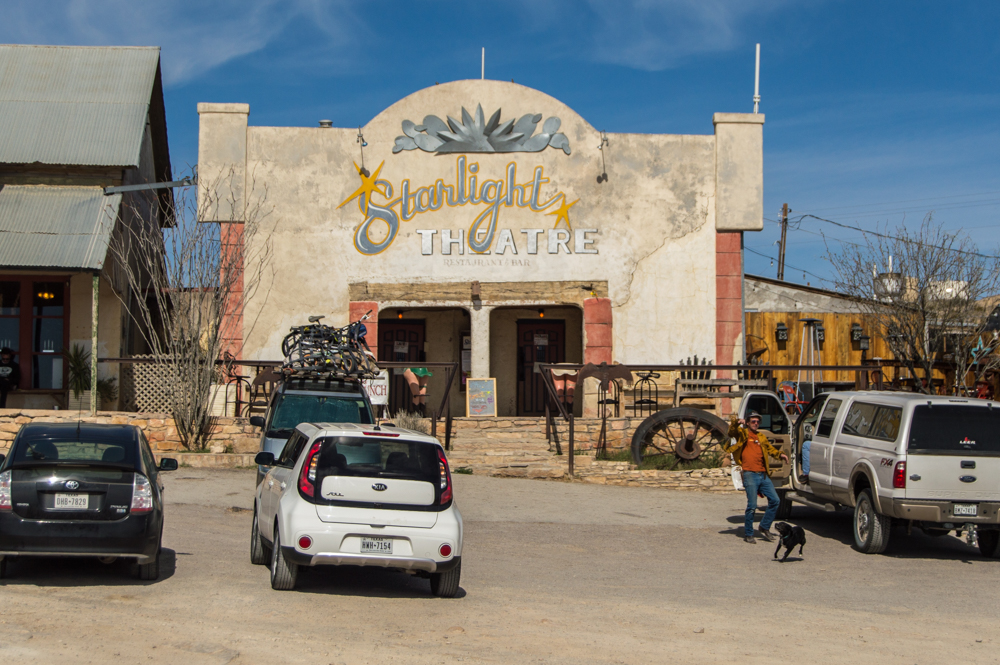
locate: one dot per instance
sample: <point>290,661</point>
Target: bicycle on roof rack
<point>318,349</point>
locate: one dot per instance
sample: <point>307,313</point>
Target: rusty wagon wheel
<point>682,434</point>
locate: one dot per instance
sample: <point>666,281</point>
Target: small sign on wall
<point>481,397</point>
<point>541,339</point>
<point>378,388</point>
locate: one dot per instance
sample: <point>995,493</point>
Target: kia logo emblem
<point>72,484</point>
<point>379,487</point>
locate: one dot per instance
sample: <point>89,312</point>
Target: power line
<point>804,271</point>
<point>891,237</point>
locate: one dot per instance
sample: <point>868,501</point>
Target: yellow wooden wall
<point>837,349</point>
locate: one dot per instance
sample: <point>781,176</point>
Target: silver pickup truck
<point>902,458</point>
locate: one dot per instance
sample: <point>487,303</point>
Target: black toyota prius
<point>81,489</point>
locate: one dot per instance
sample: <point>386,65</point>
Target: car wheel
<point>784,508</point>
<point>150,571</point>
<point>871,530</point>
<point>259,555</point>
<point>989,544</point>
<point>445,585</point>
<point>283,573</point>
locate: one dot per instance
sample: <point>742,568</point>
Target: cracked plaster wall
<point>655,216</point>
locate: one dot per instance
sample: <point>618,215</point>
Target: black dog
<point>790,537</point>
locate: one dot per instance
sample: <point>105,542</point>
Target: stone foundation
<point>233,435</point>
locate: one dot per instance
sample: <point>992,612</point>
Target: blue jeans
<point>805,457</point>
<point>759,482</point>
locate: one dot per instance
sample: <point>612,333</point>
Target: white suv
<point>358,495</point>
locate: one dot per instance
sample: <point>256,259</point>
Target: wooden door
<point>537,342</point>
<point>400,341</point>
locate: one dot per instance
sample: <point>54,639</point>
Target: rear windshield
<point>39,448</point>
<point>373,457</point>
<point>955,429</point>
<point>291,411</point>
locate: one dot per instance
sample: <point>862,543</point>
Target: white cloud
<point>650,35</point>
<point>195,36</point>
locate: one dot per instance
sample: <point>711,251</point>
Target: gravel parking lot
<point>552,573</point>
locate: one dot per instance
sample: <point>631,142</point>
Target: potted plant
<point>78,366</point>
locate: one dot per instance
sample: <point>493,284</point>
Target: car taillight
<point>305,542</point>
<point>142,494</point>
<point>445,550</point>
<point>307,480</point>
<point>899,476</point>
<point>445,477</point>
<point>5,491</point>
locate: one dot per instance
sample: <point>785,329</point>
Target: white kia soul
<point>341,494</point>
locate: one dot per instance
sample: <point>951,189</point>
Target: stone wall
<point>234,435</point>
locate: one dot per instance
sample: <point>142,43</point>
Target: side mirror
<point>264,459</point>
<point>168,464</point>
<point>257,421</point>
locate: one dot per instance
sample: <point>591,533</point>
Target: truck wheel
<point>445,585</point>
<point>989,544</point>
<point>283,573</point>
<point>784,508</point>
<point>871,530</point>
<point>259,555</point>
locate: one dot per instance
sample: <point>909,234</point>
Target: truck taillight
<point>5,503</point>
<point>899,476</point>
<point>445,477</point>
<point>142,494</point>
<point>307,479</point>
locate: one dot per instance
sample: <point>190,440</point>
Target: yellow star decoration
<point>368,185</point>
<point>562,213</point>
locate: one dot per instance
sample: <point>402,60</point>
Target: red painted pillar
<point>728,302</point>
<point>597,330</point>
<point>358,309</point>
<point>231,328</point>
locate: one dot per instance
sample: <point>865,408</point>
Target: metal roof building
<point>73,121</point>
<point>55,227</point>
<point>78,105</point>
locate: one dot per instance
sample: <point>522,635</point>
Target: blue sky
<point>877,112</point>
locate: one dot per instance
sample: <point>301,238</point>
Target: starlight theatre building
<point>487,223</point>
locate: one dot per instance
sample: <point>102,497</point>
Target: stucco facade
<point>496,235</point>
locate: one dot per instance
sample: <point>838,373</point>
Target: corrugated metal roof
<point>74,104</point>
<point>55,227</point>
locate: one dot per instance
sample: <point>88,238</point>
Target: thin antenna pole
<point>482,73</point>
<point>756,83</point>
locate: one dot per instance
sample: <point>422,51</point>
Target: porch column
<point>480,320</point>
<point>359,308</point>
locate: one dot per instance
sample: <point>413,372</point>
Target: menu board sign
<point>481,397</point>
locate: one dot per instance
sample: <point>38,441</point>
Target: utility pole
<point>781,248</point>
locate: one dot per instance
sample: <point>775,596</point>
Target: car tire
<point>283,573</point>
<point>784,508</point>
<point>150,571</point>
<point>445,585</point>
<point>871,530</point>
<point>259,554</point>
<point>989,544</point>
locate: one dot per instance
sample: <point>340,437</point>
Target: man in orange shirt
<point>749,452</point>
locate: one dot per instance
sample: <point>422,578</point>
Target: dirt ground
<point>552,573</point>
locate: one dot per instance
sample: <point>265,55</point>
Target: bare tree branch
<point>186,287</point>
<point>927,291</point>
